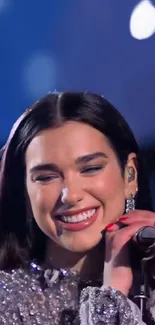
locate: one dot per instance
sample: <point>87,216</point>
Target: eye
<point>45,178</point>
<point>91,169</point>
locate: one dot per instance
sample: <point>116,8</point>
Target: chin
<point>82,245</point>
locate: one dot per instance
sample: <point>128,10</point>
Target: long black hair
<point>20,238</point>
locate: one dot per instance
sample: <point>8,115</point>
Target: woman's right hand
<point>117,269</point>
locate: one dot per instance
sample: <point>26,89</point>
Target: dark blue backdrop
<point>80,44</point>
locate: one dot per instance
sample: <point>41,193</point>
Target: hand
<point>117,269</point>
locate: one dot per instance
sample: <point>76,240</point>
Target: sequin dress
<point>36,296</point>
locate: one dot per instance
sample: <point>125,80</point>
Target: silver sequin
<point>37,297</point>
<point>106,306</point>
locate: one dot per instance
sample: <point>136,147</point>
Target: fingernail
<point>109,226</point>
<point>123,219</point>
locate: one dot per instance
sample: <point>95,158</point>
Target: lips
<point>72,213</point>
<point>77,220</point>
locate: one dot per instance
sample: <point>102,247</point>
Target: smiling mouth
<point>77,222</point>
<point>83,216</point>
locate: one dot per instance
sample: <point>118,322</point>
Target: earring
<point>130,203</point>
<point>131,174</point>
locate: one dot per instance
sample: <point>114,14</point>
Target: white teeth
<point>79,217</point>
<point>74,219</point>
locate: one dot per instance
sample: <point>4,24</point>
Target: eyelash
<point>48,178</point>
<point>91,169</point>
<point>45,178</point>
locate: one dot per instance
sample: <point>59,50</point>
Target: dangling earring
<point>130,203</point>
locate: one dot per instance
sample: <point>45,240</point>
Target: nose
<point>71,193</point>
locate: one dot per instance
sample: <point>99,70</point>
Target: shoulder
<point>18,280</point>
<point>15,293</point>
<point>9,296</point>
<point>13,279</point>
<point>13,284</point>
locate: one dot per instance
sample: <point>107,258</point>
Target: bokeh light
<point>142,21</point>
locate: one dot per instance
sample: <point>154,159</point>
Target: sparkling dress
<point>57,297</point>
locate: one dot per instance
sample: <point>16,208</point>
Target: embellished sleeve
<point>107,306</point>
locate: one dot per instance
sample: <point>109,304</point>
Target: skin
<point>117,250</point>
<point>73,185</point>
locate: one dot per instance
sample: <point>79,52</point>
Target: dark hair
<point>20,237</point>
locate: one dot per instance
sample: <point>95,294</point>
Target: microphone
<point>145,238</point>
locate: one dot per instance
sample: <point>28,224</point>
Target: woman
<point>70,169</point>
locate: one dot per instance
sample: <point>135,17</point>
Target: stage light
<point>142,20</point>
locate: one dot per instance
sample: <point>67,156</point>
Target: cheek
<point>110,191</point>
<point>42,199</point>
<point>109,184</point>
<point>42,202</point>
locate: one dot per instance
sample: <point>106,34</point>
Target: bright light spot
<point>40,75</point>
<point>142,21</point>
<point>3,5</point>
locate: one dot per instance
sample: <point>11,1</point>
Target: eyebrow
<point>88,158</point>
<point>79,160</point>
<point>43,167</point>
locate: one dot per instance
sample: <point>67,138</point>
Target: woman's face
<point>75,185</point>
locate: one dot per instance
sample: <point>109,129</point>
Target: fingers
<point>140,213</point>
<point>117,271</point>
<point>131,217</point>
<point>147,217</point>
<point>121,237</point>
<point>122,231</point>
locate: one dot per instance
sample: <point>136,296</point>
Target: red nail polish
<point>123,219</point>
<point>109,226</point>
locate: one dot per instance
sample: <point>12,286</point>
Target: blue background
<point>76,45</point>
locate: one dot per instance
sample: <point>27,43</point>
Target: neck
<point>88,264</point>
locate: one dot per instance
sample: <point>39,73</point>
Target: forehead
<point>71,140</point>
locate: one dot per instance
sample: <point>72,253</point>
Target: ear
<point>131,176</point>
